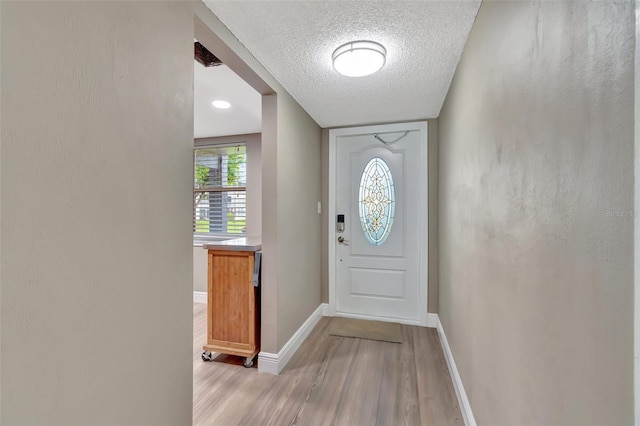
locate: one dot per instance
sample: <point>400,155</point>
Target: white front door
<point>379,259</point>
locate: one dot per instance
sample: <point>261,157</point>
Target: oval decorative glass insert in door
<point>376,201</point>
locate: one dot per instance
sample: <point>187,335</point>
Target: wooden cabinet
<point>233,313</point>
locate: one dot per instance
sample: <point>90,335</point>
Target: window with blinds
<point>219,190</point>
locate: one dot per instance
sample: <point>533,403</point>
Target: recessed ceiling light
<point>221,104</point>
<point>359,58</point>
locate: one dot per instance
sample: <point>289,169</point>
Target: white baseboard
<point>274,363</point>
<point>268,363</point>
<point>432,320</point>
<point>325,309</point>
<point>463,401</point>
<point>199,297</point>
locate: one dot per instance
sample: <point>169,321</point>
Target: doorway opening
<point>231,126</point>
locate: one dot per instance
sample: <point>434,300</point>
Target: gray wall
<point>200,265</point>
<point>536,213</point>
<point>291,188</point>
<point>97,137</point>
<point>324,273</point>
<point>432,159</point>
<point>1,133</point>
<point>636,239</point>
<point>269,284</point>
<point>433,215</point>
<point>298,221</point>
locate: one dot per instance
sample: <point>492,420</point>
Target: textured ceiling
<point>220,83</point>
<point>294,40</point>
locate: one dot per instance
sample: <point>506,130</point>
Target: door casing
<point>334,134</point>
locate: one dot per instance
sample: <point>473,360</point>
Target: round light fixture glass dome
<point>221,104</point>
<point>359,58</point>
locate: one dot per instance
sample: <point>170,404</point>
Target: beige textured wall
<point>433,215</point>
<point>637,209</point>
<point>254,186</point>
<point>0,209</point>
<point>269,284</point>
<point>97,135</point>
<point>432,159</point>
<point>324,273</point>
<point>536,214</point>
<point>299,226</point>
<point>200,265</point>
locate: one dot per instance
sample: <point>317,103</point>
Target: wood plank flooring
<point>330,381</point>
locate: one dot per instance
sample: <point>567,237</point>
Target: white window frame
<point>203,237</point>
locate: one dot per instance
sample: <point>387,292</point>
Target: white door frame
<point>421,126</point>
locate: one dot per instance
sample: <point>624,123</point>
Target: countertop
<point>240,244</point>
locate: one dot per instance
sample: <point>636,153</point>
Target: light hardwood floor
<point>329,381</point>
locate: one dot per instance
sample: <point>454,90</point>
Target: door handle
<point>341,240</point>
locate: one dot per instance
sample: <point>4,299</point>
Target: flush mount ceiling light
<point>359,58</point>
<point>221,104</point>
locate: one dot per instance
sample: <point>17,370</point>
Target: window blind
<point>219,194</point>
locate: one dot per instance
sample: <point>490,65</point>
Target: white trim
<point>423,289</point>
<point>331,214</point>
<point>268,363</point>
<point>274,363</point>
<point>325,310</point>
<point>199,297</point>
<point>463,401</point>
<point>432,320</point>
<point>424,223</point>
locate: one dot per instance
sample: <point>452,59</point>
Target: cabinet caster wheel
<point>206,356</point>
<point>248,362</point>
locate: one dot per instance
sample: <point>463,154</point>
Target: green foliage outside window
<point>233,168</point>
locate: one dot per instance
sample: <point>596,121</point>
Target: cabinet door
<point>232,305</point>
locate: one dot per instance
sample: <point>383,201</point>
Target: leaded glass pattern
<point>376,201</point>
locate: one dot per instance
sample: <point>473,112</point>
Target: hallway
<point>330,380</point>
